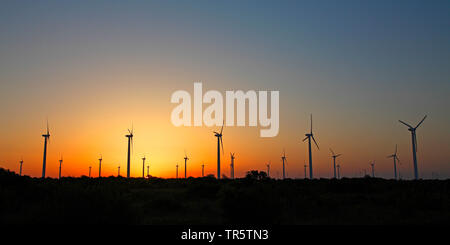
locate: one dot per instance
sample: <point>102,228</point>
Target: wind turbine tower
<point>338,171</point>
<point>60,163</point>
<point>308,137</point>
<point>372,165</point>
<point>177,173</point>
<point>219,143</point>
<point>100,166</point>
<point>414,144</point>
<point>203,170</point>
<point>305,170</point>
<point>20,171</point>
<point>283,158</point>
<point>334,156</point>
<point>46,140</point>
<point>143,166</point>
<point>130,141</point>
<point>232,165</point>
<point>185,164</point>
<point>394,156</point>
<point>268,170</point>
<point>90,171</point>
<point>148,171</point>
<point>118,171</point>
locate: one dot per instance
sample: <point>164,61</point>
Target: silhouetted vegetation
<point>254,199</point>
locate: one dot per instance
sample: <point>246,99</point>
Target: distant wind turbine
<point>100,166</point>
<point>283,158</point>
<point>60,163</point>
<point>219,143</point>
<point>414,144</point>
<point>334,156</point>
<point>268,170</point>
<point>338,171</point>
<point>118,171</point>
<point>148,171</point>
<point>177,172</point>
<point>46,140</point>
<point>20,171</point>
<point>232,165</point>
<point>305,170</point>
<point>130,142</point>
<point>143,166</point>
<point>185,164</point>
<point>308,137</point>
<point>372,165</point>
<point>394,156</point>
<point>203,170</point>
<point>90,171</point>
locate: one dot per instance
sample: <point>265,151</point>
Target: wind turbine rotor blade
<point>338,155</point>
<point>405,124</point>
<point>305,138</point>
<point>395,149</point>
<point>315,142</point>
<point>221,129</point>
<point>311,123</point>
<point>421,121</point>
<point>221,143</point>
<point>332,152</point>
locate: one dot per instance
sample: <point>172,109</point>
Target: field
<point>204,201</point>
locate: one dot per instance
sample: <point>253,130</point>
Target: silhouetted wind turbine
<point>148,171</point>
<point>177,172</point>
<point>414,144</point>
<point>372,164</point>
<point>305,170</point>
<point>185,164</point>
<point>283,158</point>
<point>130,141</point>
<point>339,173</point>
<point>308,137</point>
<point>143,166</point>
<point>394,156</point>
<point>334,156</point>
<point>20,171</point>
<point>232,165</point>
<point>219,142</point>
<point>100,166</point>
<point>60,163</point>
<point>118,171</point>
<point>268,170</point>
<point>46,140</point>
<point>203,170</point>
<point>90,171</point>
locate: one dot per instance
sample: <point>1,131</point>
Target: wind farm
<point>120,113</point>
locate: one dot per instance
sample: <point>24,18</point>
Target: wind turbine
<point>90,171</point>
<point>118,171</point>
<point>338,171</point>
<point>334,156</point>
<point>148,171</point>
<point>203,170</point>
<point>177,172</point>
<point>232,165</point>
<point>394,156</point>
<point>143,166</point>
<point>372,165</point>
<point>268,169</point>
<point>283,158</point>
<point>308,137</point>
<point>60,163</point>
<point>130,142</point>
<point>46,140</point>
<point>305,170</point>
<point>20,171</point>
<point>185,164</point>
<point>414,144</point>
<point>219,142</point>
<point>100,166</point>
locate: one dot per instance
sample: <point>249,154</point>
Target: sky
<point>95,68</point>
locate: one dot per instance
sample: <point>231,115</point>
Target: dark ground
<point>209,201</point>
